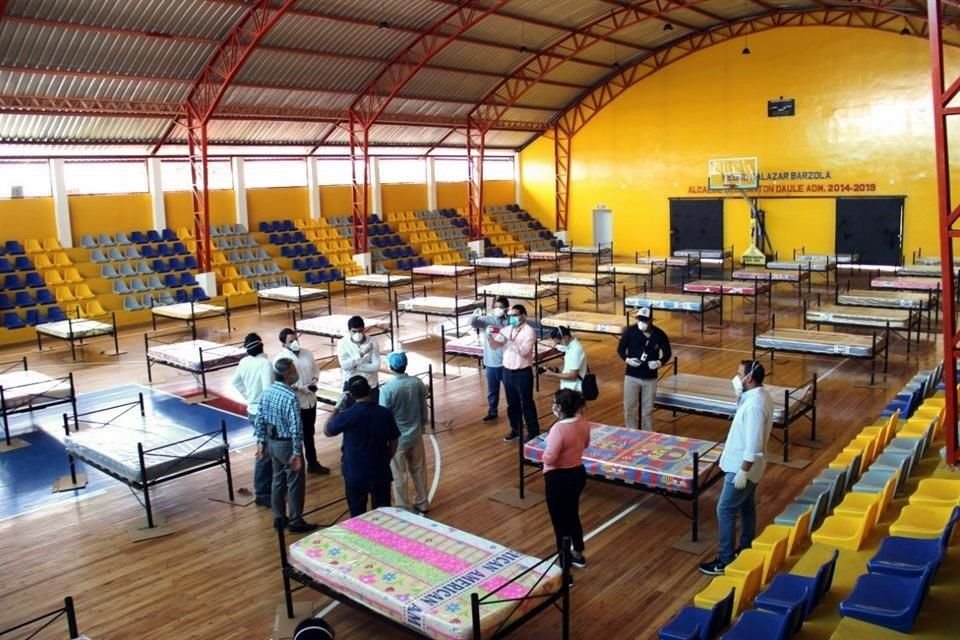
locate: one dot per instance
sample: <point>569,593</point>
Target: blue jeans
<point>262,475</point>
<point>494,378</point>
<point>735,501</point>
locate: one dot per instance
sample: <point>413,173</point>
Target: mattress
<point>541,255</point>
<point>819,342</point>
<point>869,268</point>
<point>770,274</point>
<point>22,388</point>
<point>646,458</point>
<point>575,278</point>
<point>291,294</point>
<point>518,290</point>
<point>887,299</point>
<point>440,305</point>
<point>727,287</point>
<point>499,263</point>
<point>378,280</point>
<point>420,573</point>
<point>933,261</point>
<point>471,345</point>
<point>821,266</point>
<point>859,316</point>
<point>705,254</point>
<point>66,329</point>
<point>674,301</point>
<point>587,321</point>
<point>114,447</point>
<point>443,270</point>
<point>840,258</point>
<point>638,269</point>
<point>907,283</point>
<point>186,355</point>
<point>586,249</point>
<point>335,325</point>
<point>923,270</point>
<point>187,311</point>
<point>705,394</point>
<point>670,261</point>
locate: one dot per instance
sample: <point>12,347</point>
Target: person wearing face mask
<point>743,460</point>
<point>517,342</point>
<point>306,389</point>
<point>492,358</point>
<point>359,354</point>
<point>563,472</point>
<point>254,374</point>
<point>644,348</point>
<point>279,435</point>
<point>574,359</point>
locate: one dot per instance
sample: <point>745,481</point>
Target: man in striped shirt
<point>279,434</point>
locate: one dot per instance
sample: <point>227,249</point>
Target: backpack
<point>588,386</point>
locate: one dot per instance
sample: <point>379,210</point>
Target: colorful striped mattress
<point>541,255</point>
<point>628,268</point>
<point>859,316</point>
<point>819,342</point>
<point>696,303</point>
<point>778,275</point>
<point>519,290</point>
<point>907,283</point>
<point>706,394</point>
<point>586,321</point>
<point>884,299</point>
<point>646,458</point>
<point>420,573</point>
<point>727,288</point>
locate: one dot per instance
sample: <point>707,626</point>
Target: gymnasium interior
<point>771,179</point>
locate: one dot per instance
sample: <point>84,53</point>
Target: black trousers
<point>563,488</point>
<point>309,419</point>
<point>521,407</point>
<point>378,491</point>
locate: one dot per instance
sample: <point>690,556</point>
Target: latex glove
<point>654,365</point>
<point>499,337</point>
<point>740,480</point>
<point>633,362</point>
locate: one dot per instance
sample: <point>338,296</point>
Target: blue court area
<point>27,474</point>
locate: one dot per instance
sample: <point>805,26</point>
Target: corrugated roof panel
<point>410,14</point>
<point>472,56</point>
<point>699,20</point>
<point>570,13</point>
<point>187,18</point>
<point>513,32</point>
<point>650,34</point>
<point>179,151</point>
<point>429,108</point>
<point>387,135</point>
<point>606,52</point>
<point>512,139</point>
<point>219,131</point>
<point>293,70</point>
<point>106,88</point>
<point>577,73</point>
<point>337,37</point>
<point>33,45</point>
<point>548,95</point>
<point>78,129</point>
<point>72,151</point>
<point>288,99</point>
<point>519,114</point>
<point>433,83</point>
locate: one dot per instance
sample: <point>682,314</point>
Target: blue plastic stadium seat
<point>138,237</point>
<point>33,280</point>
<point>55,314</point>
<point>154,236</point>
<point>789,593</point>
<point>5,302</point>
<point>182,295</point>
<point>180,249</point>
<point>23,299</point>
<point>45,297</point>
<point>197,295</point>
<point>164,250</point>
<point>190,262</point>
<point>313,277</point>
<point>159,266</point>
<point>12,282</point>
<point>912,557</point>
<point>11,320</point>
<point>169,235</point>
<point>887,601</point>
<point>22,263</point>
<point>287,225</point>
<point>264,227</point>
<point>175,264</point>
<point>33,317</point>
<point>147,251</point>
<point>310,249</point>
<point>130,303</point>
<point>13,248</point>
<point>187,279</point>
<point>87,242</point>
<point>5,266</point>
<point>171,281</point>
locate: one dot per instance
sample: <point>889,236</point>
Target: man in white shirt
<point>743,460</point>
<point>574,359</point>
<point>253,376</point>
<point>306,389</point>
<point>359,355</point>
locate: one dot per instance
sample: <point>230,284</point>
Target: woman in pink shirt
<point>563,472</point>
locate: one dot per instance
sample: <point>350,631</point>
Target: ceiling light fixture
<point>746,51</point>
<point>905,31</point>
<point>383,25</point>
<point>668,27</point>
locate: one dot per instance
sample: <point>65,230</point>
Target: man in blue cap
<point>406,397</point>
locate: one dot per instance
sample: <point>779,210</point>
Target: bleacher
<point>388,246</point>
<point>241,265</point>
<point>522,226</point>
<point>25,299</point>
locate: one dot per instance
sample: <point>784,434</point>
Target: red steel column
<point>360,167</point>
<point>476,137</point>
<point>562,139</point>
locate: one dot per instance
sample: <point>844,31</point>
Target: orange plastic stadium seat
<point>229,290</point>
<point>70,274</point>
<point>94,308</point>
<point>52,277</point>
<point>42,261</point>
<point>32,246</point>
<point>83,292</point>
<point>62,260</point>
<point>51,244</point>
<point>65,295</point>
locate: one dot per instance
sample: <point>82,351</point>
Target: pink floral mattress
<point>727,287</point>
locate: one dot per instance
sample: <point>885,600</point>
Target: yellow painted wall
<point>452,195</point>
<point>23,218</point>
<point>403,197</point>
<point>863,112</point>
<point>498,192</point>
<point>179,208</point>
<point>95,214</point>
<point>278,203</point>
<point>336,201</point>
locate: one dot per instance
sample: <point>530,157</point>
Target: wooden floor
<point>218,576</point>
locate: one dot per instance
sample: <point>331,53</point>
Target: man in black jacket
<point>644,348</point>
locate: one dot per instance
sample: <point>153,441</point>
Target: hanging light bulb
<point>746,50</point>
<point>668,27</point>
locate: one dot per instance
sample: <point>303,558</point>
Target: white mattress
<point>775,275</point>
<point>335,325</point>
<point>840,258</point>
<point>588,321</point>
<point>674,301</point>
<point>884,299</point>
<point>378,280</point>
<point>65,329</point>
<point>819,342</point>
<point>29,387</point>
<point>638,269</point>
<point>291,294</point>
<point>183,310</point>
<point>576,278</point>
<point>186,355</point>
<point>859,316</point>
<point>443,270</point>
<point>114,447</point>
<point>500,263</point>
<point>440,305</point>
<point>518,290</point>
<point>927,270</point>
<point>471,344</point>
<point>586,249</point>
<point>705,254</point>
<point>933,260</point>
<point>798,265</point>
<point>707,394</point>
<point>670,261</point>
<point>540,255</point>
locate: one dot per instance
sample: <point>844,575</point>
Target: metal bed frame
<point>725,284</point>
<point>688,268</point>
<point>447,357</point>
<point>201,372</point>
<point>771,280</point>
<point>538,295</point>
<point>378,332</point>
<point>66,611</point>
<point>510,267</point>
<point>453,313</point>
<point>78,339</point>
<point>913,324</point>
<point>842,353</point>
<point>388,287</point>
<point>898,304</point>
<point>704,309</point>
<point>721,262</point>
<point>808,408</point>
<point>301,298</point>
<point>143,484</point>
<point>595,287</point>
<point>192,319</point>
<point>36,402</point>
<point>455,276</point>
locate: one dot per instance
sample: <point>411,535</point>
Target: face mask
<point>356,337</point>
<point>514,321</point>
<point>294,346</point>
<point>498,312</point>
<point>643,326</point>
<point>737,384</point>
<point>562,348</point>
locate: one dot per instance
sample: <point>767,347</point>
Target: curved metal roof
<point>101,72</point>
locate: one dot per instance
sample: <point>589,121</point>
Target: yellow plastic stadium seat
<point>229,290</point>
<point>64,295</point>
<point>870,445</point>
<point>74,311</point>
<point>184,233</point>
<point>851,460</point>
<point>856,505</point>
<point>799,532</point>
<point>299,224</point>
<point>718,589</point>
<point>62,260</point>
<point>921,522</point>
<point>230,273</point>
<point>219,258</point>
<point>747,572</point>
<point>83,292</point>
<point>51,244</point>
<point>42,261</point>
<point>936,492</point>
<point>772,543</point>
<point>244,287</point>
<point>883,432</point>
<point>919,428</point>
<point>94,308</point>
<point>70,274</point>
<point>32,246</point>
<point>191,246</point>
<point>846,532</point>
<point>52,277</point>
